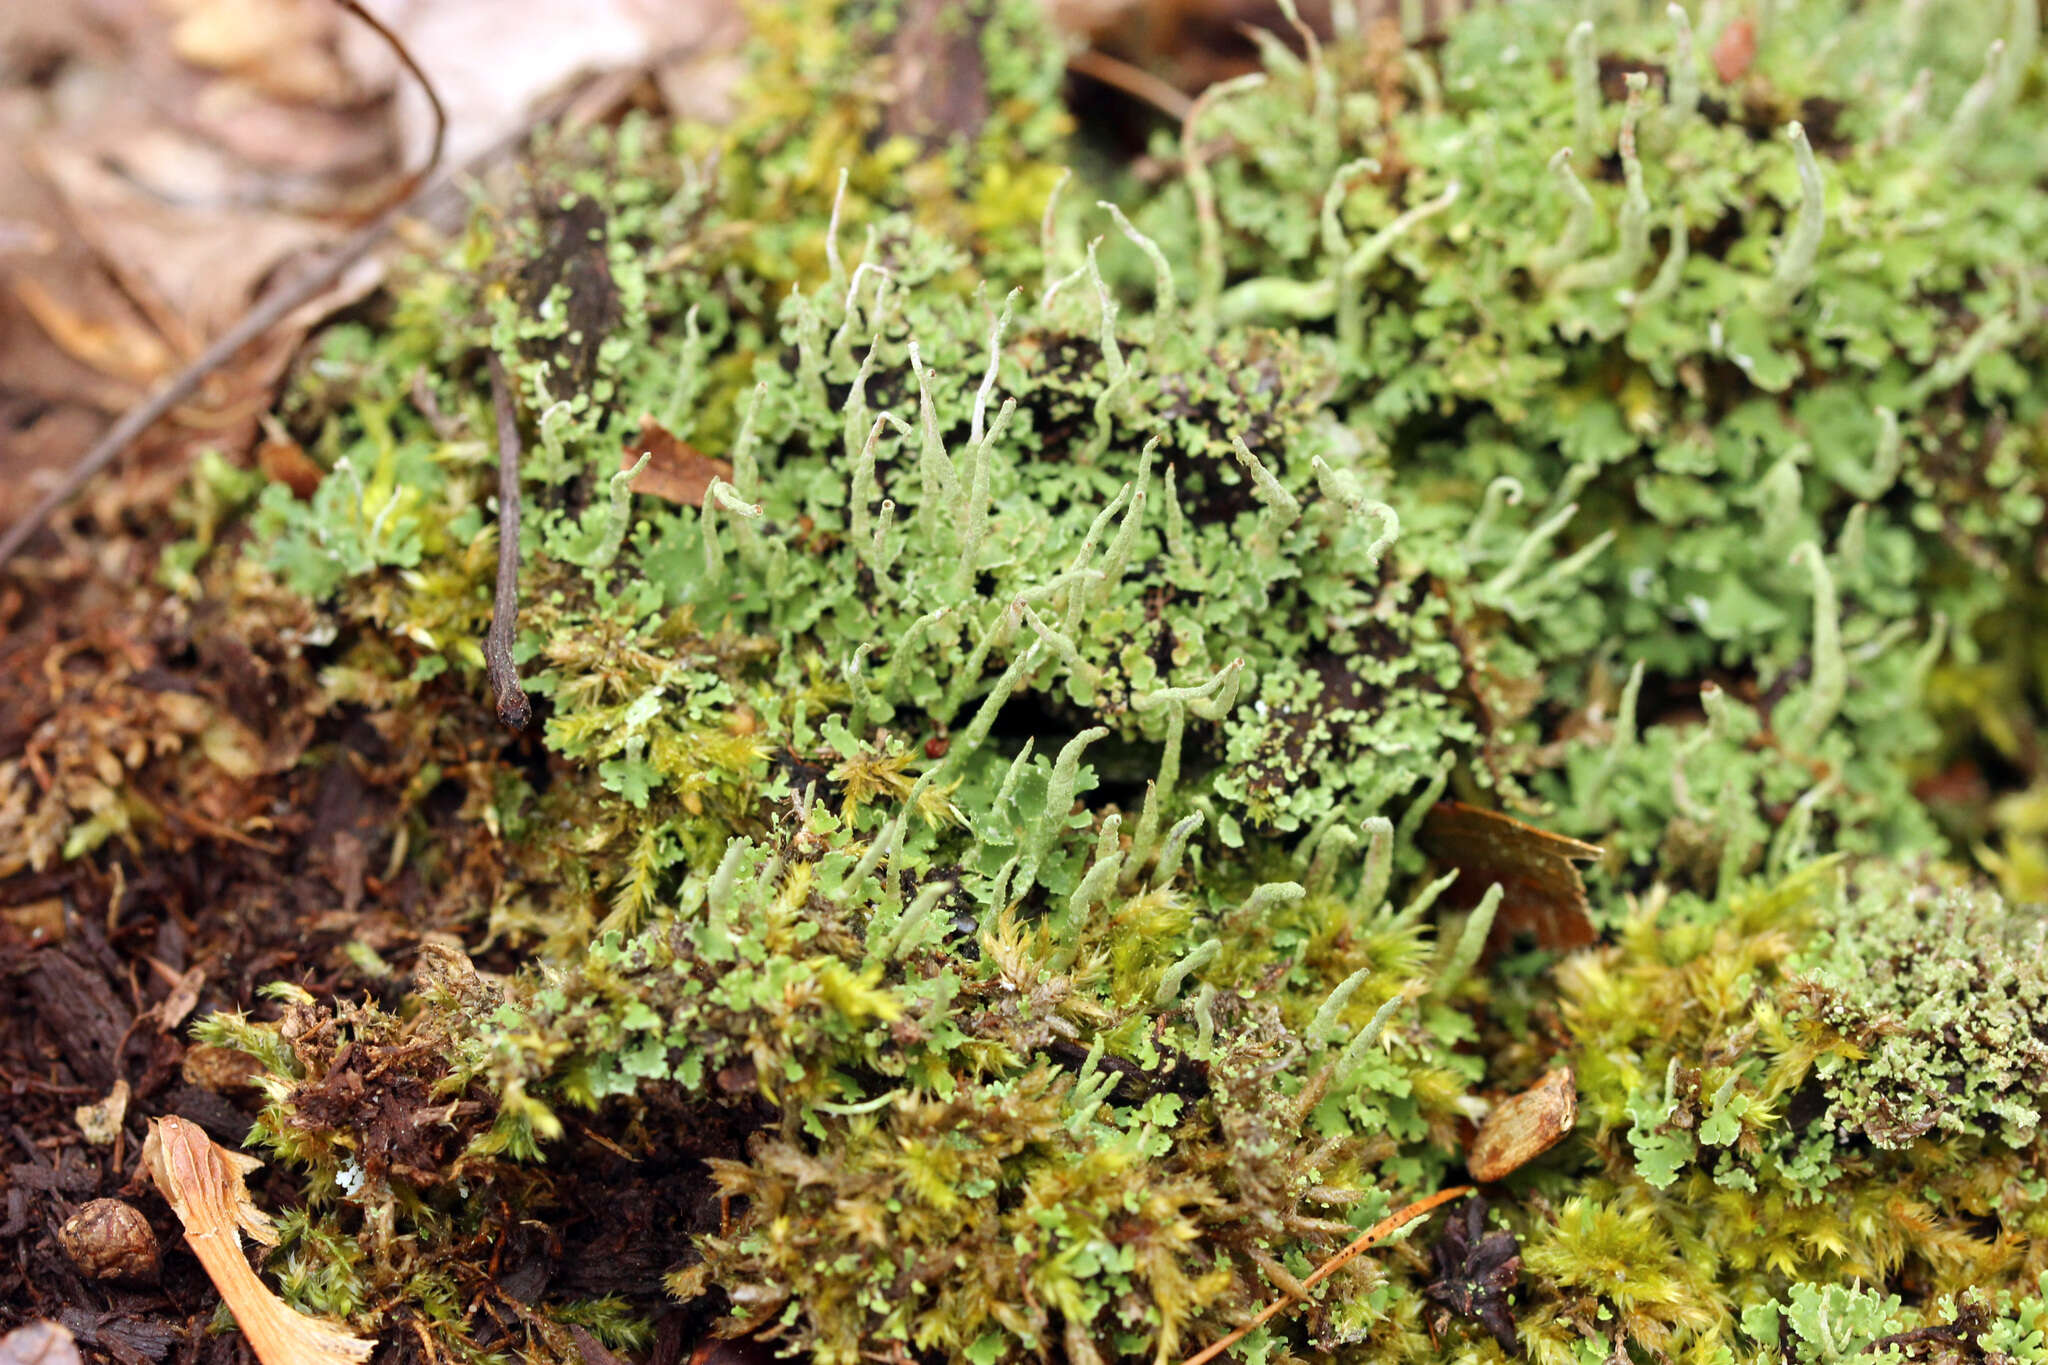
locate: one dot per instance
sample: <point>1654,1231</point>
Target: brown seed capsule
<point>110,1240</point>
<point>1523,1127</point>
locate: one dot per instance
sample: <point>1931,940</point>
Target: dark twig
<point>406,188</point>
<point>513,708</point>
<point>253,324</point>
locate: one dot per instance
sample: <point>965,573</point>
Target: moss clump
<point>982,817</point>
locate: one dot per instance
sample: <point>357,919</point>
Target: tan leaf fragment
<point>184,996</point>
<point>1525,1126</point>
<point>108,344</point>
<point>203,1183</point>
<point>676,471</point>
<point>101,1121</point>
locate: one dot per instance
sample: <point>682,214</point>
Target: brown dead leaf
<point>184,996</point>
<point>1523,1127</point>
<point>676,471</point>
<point>1735,50</point>
<point>286,462</point>
<point>204,1185</point>
<point>1541,890</point>
<point>110,343</point>
<point>284,46</point>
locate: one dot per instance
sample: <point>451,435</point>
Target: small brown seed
<point>110,1240</point>
<point>1523,1127</point>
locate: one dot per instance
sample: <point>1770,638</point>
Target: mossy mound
<point>988,787</point>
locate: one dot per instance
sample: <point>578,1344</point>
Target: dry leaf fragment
<point>677,471</point>
<point>101,1121</point>
<point>285,461</point>
<point>110,344</point>
<point>184,997</point>
<point>1541,890</point>
<point>1735,50</point>
<point>203,1183</point>
<point>1525,1126</point>
<point>219,1069</point>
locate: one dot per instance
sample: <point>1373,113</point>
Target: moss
<point>982,819</point>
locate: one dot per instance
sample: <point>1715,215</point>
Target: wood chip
<point>1541,890</point>
<point>203,1182</point>
<point>1525,1126</point>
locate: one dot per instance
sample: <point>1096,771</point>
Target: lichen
<point>983,820</point>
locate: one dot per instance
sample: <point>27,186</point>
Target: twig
<point>513,708</point>
<point>406,188</point>
<point>253,324</point>
<point>1387,1226</point>
<point>1134,81</point>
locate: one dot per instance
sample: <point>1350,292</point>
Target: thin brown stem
<point>405,188</point>
<point>513,708</point>
<point>1134,81</point>
<point>1386,1227</point>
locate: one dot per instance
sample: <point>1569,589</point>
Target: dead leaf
<point>676,471</point>
<point>287,463</point>
<point>219,1069</point>
<point>204,1185</point>
<point>1523,1127</point>
<point>1735,50</point>
<point>172,1009</point>
<point>1541,890</point>
<point>109,343</point>
<point>39,1343</point>
<point>283,46</point>
<point>101,1121</point>
<point>39,922</point>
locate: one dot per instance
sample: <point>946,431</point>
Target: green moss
<point>994,810</point>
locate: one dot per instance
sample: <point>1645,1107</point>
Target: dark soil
<point>222,882</point>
